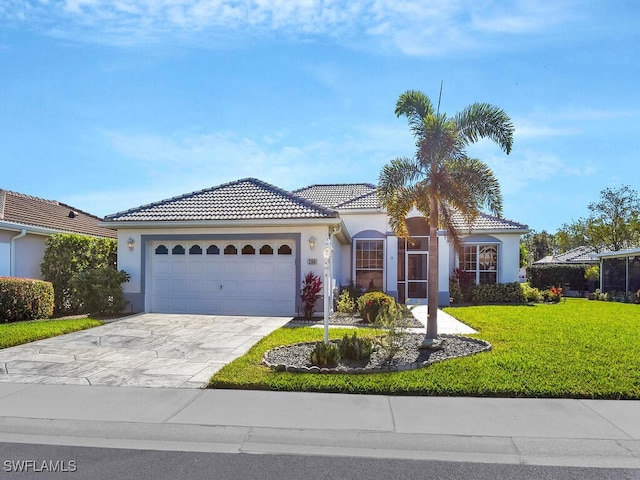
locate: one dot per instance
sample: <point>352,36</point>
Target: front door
<point>417,269</point>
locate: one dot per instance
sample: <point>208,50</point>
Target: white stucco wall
<point>28,254</point>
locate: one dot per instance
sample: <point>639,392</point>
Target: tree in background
<point>539,244</point>
<point>613,224</point>
<point>441,180</point>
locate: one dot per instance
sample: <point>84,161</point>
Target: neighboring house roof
<point>246,199</point>
<point>582,254</point>
<point>25,210</point>
<point>341,195</point>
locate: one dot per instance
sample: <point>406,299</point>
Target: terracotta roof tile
<point>363,195</point>
<point>341,195</point>
<point>246,199</point>
<point>50,214</point>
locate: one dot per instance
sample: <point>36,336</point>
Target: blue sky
<point>110,104</point>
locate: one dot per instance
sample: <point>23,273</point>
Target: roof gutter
<point>12,252</point>
<point>279,222</point>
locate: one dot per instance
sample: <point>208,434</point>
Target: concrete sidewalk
<point>530,431</point>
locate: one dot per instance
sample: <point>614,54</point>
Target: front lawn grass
<point>12,334</point>
<point>577,348</point>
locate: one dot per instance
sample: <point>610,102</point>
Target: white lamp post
<point>326,253</point>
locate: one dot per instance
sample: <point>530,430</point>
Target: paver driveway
<point>146,350</point>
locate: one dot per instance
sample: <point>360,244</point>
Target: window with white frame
<point>369,257</point>
<point>481,262</point>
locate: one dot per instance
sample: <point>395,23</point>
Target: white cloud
<point>185,162</point>
<point>414,27</point>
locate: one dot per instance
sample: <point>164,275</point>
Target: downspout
<point>12,252</point>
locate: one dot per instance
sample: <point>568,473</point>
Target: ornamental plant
<point>552,295</point>
<point>310,293</point>
<point>25,299</point>
<point>370,303</point>
<point>325,355</point>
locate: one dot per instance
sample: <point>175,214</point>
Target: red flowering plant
<point>553,295</point>
<point>310,292</point>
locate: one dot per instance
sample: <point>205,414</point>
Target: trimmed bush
<point>25,299</point>
<point>67,254</point>
<point>498,293</point>
<point>530,293</point>
<point>544,277</point>
<point>370,303</point>
<point>99,291</point>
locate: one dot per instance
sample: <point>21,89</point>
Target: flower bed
<point>296,357</point>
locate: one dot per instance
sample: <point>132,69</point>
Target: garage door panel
<point>221,284</point>
<point>195,267</point>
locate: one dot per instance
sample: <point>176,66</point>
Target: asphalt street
<point>32,461</point>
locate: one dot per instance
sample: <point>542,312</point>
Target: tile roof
<point>582,254</point>
<point>363,195</point>
<point>344,195</point>
<point>485,221</point>
<point>246,199</point>
<point>49,214</point>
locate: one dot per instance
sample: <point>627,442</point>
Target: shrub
<point>355,348</point>
<point>530,293</point>
<point>455,292</point>
<point>394,319</point>
<point>546,276</point>
<point>498,293</point>
<point>99,291</point>
<point>25,299</point>
<point>370,303</point>
<point>67,254</point>
<point>552,295</point>
<point>325,355</point>
<point>311,287</point>
<point>592,273</point>
<point>465,281</point>
<point>346,303</point>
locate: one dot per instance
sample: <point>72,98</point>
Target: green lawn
<point>17,333</point>
<point>577,348</point>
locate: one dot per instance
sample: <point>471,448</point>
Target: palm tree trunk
<point>432,284</point>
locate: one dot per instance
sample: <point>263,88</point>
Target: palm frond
<point>416,106</point>
<point>483,120</point>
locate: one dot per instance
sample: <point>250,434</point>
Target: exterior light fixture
<point>312,243</point>
<point>130,243</point>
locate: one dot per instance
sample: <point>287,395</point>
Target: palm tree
<point>442,182</point>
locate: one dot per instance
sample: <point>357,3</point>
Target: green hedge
<point>25,299</point>
<point>67,254</point>
<point>498,293</point>
<point>544,277</point>
<point>99,291</point>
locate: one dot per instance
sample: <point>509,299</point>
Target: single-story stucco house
<point>25,224</point>
<point>579,255</point>
<point>244,248</point>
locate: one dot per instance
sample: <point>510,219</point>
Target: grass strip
<point>12,334</point>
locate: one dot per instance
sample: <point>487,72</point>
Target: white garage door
<point>230,278</point>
